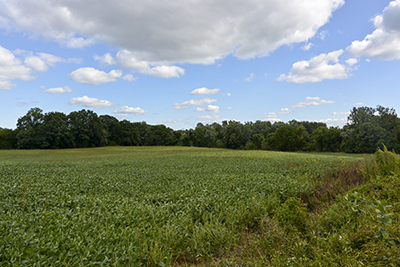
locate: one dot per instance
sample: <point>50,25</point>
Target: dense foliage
<point>366,130</point>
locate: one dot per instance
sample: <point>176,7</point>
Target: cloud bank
<point>194,31</point>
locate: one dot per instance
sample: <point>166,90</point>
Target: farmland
<point>147,206</point>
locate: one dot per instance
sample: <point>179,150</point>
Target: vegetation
<point>367,129</point>
<point>181,206</point>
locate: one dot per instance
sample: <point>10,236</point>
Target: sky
<point>182,62</point>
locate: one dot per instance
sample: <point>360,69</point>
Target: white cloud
<point>11,68</point>
<point>193,31</point>
<point>90,102</point>
<point>59,90</point>
<point>175,121</point>
<point>284,111</point>
<point>229,108</point>
<point>164,71</point>
<point>128,60</point>
<point>334,122</point>
<point>307,46</point>
<point>211,119</point>
<point>360,104</point>
<point>384,42</point>
<point>251,77</point>
<point>312,101</point>
<point>317,69</point>
<point>130,78</point>
<point>192,102</point>
<point>210,108</point>
<point>341,113</point>
<point>130,110</point>
<point>352,61</point>
<point>204,91</point>
<point>94,77</point>
<point>36,63</point>
<point>273,116</point>
<point>106,59</point>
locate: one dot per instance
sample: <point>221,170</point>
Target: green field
<point>144,206</point>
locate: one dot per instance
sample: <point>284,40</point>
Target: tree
<point>113,128</point>
<point>361,115</point>
<point>86,129</point>
<point>233,135</point>
<point>365,138</point>
<point>258,139</point>
<point>286,139</point>
<point>327,140</point>
<point>55,130</point>
<point>30,126</point>
<point>8,138</point>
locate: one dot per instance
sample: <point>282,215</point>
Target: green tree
<point>55,130</point>
<point>258,139</point>
<point>365,138</point>
<point>8,138</point>
<point>31,133</point>
<point>286,139</point>
<point>86,129</point>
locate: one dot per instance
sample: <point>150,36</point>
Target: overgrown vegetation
<point>359,227</point>
<point>367,129</point>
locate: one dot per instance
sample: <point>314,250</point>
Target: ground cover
<point>155,206</point>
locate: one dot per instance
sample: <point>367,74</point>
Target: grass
<point>165,206</point>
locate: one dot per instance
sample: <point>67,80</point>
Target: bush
<point>292,215</point>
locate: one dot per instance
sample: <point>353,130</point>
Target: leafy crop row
<point>142,206</point>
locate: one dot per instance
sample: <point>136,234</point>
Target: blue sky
<point>182,62</point>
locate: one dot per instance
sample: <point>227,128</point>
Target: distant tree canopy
<point>367,129</point>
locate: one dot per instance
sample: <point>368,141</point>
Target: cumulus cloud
<point>317,69</point>
<point>273,116</point>
<point>210,108</point>
<point>193,31</point>
<point>36,63</point>
<point>128,60</point>
<point>130,78</point>
<point>352,61</point>
<point>384,42</point>
<point>90,102</point>
<point>106,59</point>
<point>12,68</point>
<point>204,91</point>
<point>192,102</point>
<point>164,71</point>
<point>130,110</point>
<point>94,77</point>
<point>211,118</point>
<point>312,101</point>
<point>59,90</point>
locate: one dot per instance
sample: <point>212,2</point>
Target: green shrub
<point>292,215</point>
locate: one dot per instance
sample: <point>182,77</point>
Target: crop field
<point>140,206</point>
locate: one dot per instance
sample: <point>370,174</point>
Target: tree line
<point>367,129</point>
